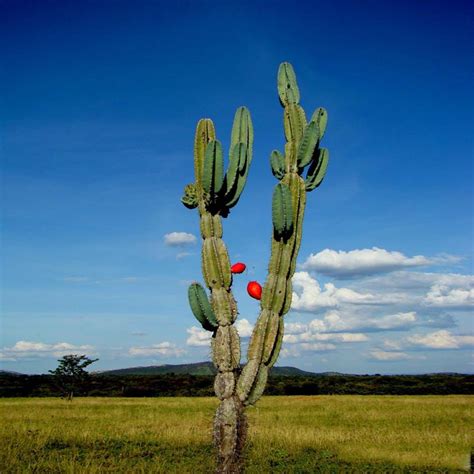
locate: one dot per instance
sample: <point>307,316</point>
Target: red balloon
<point>238,267</point>
<point>254,290</point>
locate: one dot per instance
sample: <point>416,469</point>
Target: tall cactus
<point>214,193</point>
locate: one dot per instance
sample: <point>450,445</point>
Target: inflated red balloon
<point>254,290</point>
<point>238,267</point>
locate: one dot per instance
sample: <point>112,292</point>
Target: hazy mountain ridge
<point>207,368</point>
<point>204,368</point>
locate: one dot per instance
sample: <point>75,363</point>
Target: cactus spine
<point>214,193</point>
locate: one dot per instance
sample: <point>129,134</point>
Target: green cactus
<point>214,193</point>
<point>201,307</point>
<point>213,169</point>
<point>282,210</point>
<point>277,162</point>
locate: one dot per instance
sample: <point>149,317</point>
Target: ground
<point>287,434</point>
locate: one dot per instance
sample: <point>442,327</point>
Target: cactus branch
<point>288,206</point>
<point>214,193</point>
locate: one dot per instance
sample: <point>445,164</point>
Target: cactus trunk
<point>230,434</point>
<point>214,193</point>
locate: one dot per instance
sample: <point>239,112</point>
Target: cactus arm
<point>287,87</point>
<point>242,132</point>
<point>317,170</point>
<point>308,144</point>
<point>201,307</point>
<point>320,116</point>
<point>205,132</point>
<point>213,169</point>
<point>277,163</point>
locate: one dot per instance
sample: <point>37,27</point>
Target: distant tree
<point>70,375</point>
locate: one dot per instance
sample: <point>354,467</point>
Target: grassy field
<point>387,434</point>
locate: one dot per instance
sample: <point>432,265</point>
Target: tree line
<point>170,385</point>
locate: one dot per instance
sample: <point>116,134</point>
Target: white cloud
<point>309,336</point>
<point>445,295</point>
<point>446,259</point>
<point>389,355</point>
<point>244,327</point>
<point>308,295</point>
<point>6,358</point>
<point>345,322</point>
<point>318,330</point>
<point>317,347</point>
<point>31,349</point>
<point>166,349</point>
<point>334,321</point>
<point>413,280</point>
<point>419,291</point>
<point>76,279</point>
<point>296,350</point>
<point>295,328</point>
<point>441,340</point>
<point>175,239</point>
<point>392,345</point>
<point>198,337</point>
<point>361,262</point>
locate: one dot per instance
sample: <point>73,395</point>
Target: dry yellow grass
<point>287,434</point>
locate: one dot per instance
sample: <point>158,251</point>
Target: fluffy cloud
<point>413,299</point>
<point>177,239</point>
<point>318,332</point>
<point>166,349</point>
<point>448,296</point>
<point>361,262</point>
<point>441,340</point>
<point>198,337</point>
<point>298,350</point>
<point>30,349</point>
<point>413,280</point>
<point>351,322</point>
<point>295,328</point>
<point>244,327</point>
<point>390,356</point>
<point>335,321</point>
<point>308,295</point>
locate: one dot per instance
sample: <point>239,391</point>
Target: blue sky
<point>99,104</point>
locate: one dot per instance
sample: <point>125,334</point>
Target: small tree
<point>70,375</point>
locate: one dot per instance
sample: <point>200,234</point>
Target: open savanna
<point>333,433</point>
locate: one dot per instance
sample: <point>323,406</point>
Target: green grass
<point>328,434</point>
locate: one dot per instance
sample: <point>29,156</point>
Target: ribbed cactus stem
<point>214,193</point>
<point>301,149</point>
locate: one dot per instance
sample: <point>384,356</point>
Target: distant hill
<point>9,372</point>
<point>205,368</point>
<point>198,368</point>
